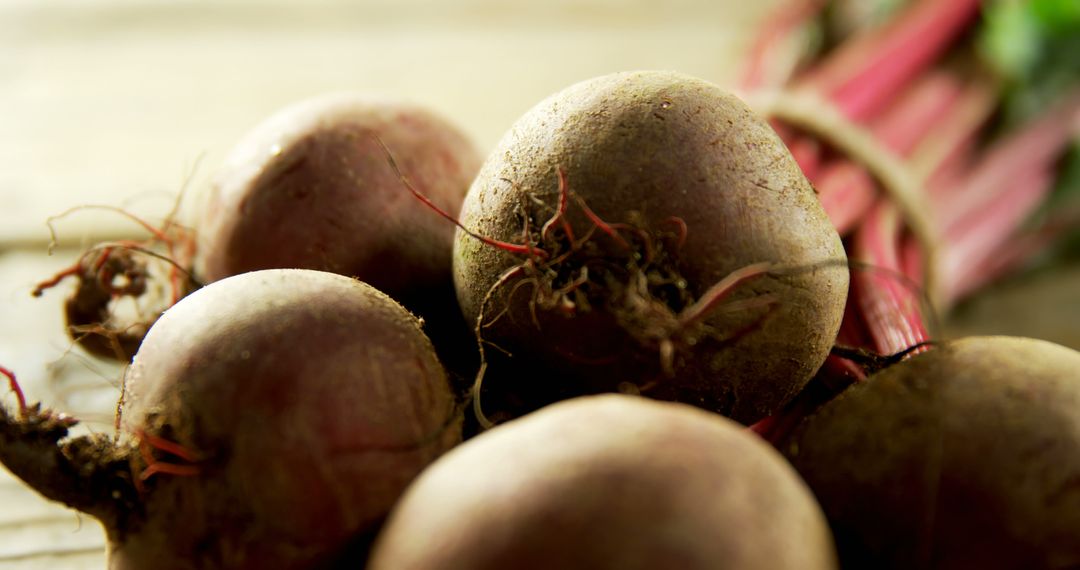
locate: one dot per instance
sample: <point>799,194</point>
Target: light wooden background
<point>123,101</point>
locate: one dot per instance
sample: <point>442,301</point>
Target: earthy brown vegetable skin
<point>311,188</point>
<point>312,399</point>
<point>641,148</point>
<point>967,456</point>
<point>608,482</point>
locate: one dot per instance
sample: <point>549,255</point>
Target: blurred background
<point>118,100</point>
<point>126,102</point>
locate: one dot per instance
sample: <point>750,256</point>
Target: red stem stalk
<point>807,153</point>
<point>1000,193</point>
<point>947,155</point>
<point>861,76</point>
<point>1033,147</point>
<point>892,311</point>
<point>1022,248</point>
<point>779,25</point>
<point>976,243</point>
<point>846,190</point>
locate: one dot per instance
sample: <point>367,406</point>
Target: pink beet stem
<point>846,192</point>
<point>891,310</point>
<point>911,259</point>
<point>918,112</point>
<point>1034,146</point>
<point>947,154</point>
<point>976,240</point>
<point>846,189</point>
<point>1019,250</point>
<point>778,26</point>
<point>853,331</point>
<point>999,193</point>
<point>863,74</point>
<point>807,153</point>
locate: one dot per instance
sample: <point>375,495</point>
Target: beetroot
<point>311,188</point>
<point>637,202</point>
<point>274,418</point>
<point>608,482</point>
<point>966,456</point>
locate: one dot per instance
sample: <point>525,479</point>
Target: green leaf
<point>1057,16</point>
<point>1009,38</point>
<point>1034,45</point>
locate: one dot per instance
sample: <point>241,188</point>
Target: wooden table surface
<point>123,102</point>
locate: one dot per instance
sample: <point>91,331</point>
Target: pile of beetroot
<point>672,333</point>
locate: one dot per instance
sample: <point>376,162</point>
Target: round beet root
<point>668,244</point>
<point>315,187</point>
<point>311,187</point>
<point>305,401</point>
<point>608,482</point>
<point>966,456</point>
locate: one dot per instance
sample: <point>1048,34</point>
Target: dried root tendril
<point>17,390</point>
<point>517,249</point>
<point>873,362</point>
<point>110,271</point>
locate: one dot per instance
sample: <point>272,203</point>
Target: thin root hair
<point>875,362</point>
